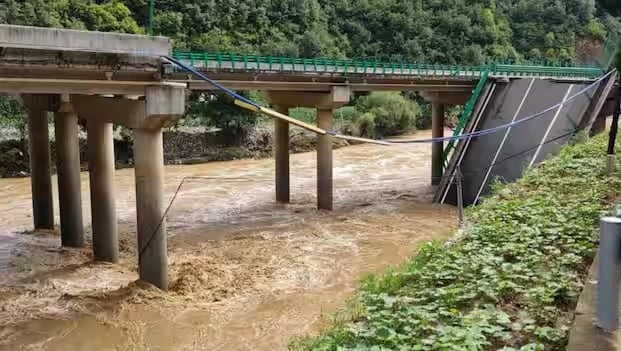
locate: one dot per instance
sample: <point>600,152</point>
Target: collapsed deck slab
<point>505,154</point>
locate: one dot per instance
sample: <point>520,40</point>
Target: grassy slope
<point>512,282</point>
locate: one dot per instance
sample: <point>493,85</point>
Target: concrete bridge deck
<point>250,72</point>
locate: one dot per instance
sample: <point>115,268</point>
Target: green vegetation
<point>613,7</point>
<point>384,113</point>
<point>375,115</point>
<point>434,31</point>
<point>510,282</point>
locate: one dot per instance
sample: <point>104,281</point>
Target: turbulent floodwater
<point>245,273</point>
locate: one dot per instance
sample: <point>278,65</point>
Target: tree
<point>614,7</point>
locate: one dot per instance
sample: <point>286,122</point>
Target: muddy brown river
<point>245,273</point>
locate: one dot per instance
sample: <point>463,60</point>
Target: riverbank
<point>510,281</point>
<point>183,145</point>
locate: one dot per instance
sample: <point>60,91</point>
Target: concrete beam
<point>287,86</point>
<point>68,170</point>
<point>446,98</point>
<point>337,96</point>
<point>117,110</point>
<point>162,107</point>
<point>12,36</point>
<point>165,105</point>
<point>14,85</point>
<point>103,208</point>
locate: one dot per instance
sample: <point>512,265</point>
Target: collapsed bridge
<point>109,78</point>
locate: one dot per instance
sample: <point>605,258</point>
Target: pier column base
<point>68,170</point>
<point>151,225</point>
<point>40,176</point>
<point>437,149</point>
<point>324,161</point>
<point>325,103</point>
<point>281,156</point>
<point>103,208</point>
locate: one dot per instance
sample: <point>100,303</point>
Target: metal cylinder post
<point>281,155</point>
<point>68,169</point>
<point>101,173</point>
<point>608,273</point>
<point>324,161</point>
<point>151,225</point>
<point>40,176</point>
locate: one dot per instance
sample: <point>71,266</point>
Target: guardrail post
<point>608,273</point>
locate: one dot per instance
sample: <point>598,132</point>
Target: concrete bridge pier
<point>324,161</point>
<point>325,103</point>
<point>149,173</point>
<point>37,107</point>
<point>161,107</point>
<point>101,175</point>
<point>68,171</point>
<point>281,155</point>
<point>439,101</point>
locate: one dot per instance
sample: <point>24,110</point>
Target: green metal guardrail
<point>255,62</point>
<point>465,116</point>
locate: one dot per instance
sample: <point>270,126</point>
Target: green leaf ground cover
<point>510,283</point>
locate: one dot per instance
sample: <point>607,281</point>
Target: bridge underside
<point>274,81</point>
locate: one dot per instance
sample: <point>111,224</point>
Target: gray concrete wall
<point>78,40</point>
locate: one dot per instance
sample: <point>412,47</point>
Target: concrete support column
<point>281,155</point>
<point>101,173</point>
<point>68,170</point>
<point>324,161</point>
<point>40,176</point>
<point>149,173</point>
<point>437,131</point>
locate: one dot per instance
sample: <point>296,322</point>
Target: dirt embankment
<point>187,146</point>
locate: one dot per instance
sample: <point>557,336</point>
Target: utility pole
<point>151,14</point>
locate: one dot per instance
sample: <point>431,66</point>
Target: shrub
<point>511,282</point>
<point>385,113</point>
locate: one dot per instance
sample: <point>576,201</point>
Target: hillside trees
<point>613,7</point>
<point>107,16</point>
<point>431,31</point>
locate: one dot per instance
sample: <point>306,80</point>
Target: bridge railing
<point>230,61</point>
<point>465,116</point>
<point>224,61</point>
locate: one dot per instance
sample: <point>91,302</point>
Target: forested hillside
<point>440,31</point>
<point>431,31</point>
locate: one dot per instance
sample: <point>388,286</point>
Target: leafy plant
<point>509,283</point>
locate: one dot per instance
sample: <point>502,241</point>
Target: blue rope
<point>211,81</point>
